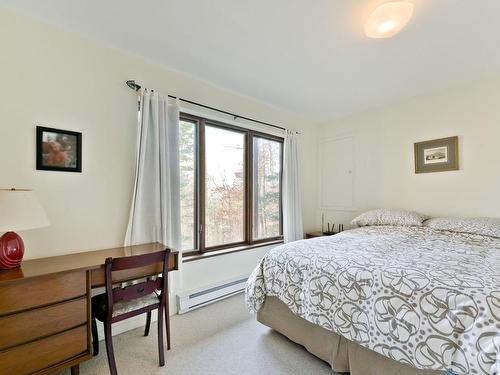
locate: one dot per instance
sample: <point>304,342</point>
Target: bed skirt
<point>342,355</point>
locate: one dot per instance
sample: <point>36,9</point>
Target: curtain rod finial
<point>134,86</point>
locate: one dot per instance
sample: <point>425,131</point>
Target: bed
<point>387,299</point>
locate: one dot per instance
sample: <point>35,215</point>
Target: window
<point>266,188</point>
<point>187,160</point>
<point>230,185</point>
<point>224,186</point>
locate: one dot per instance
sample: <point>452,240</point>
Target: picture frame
<point>58,150</point>
<point>437,155</point>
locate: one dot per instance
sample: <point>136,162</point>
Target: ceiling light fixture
<point>388,19</point>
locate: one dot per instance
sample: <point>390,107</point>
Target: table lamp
<point>19,210</point>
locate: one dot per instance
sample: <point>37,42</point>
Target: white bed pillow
<point>383,216</point>
<point>485,226</point>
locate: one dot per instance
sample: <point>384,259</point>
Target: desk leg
<point>75,370</point>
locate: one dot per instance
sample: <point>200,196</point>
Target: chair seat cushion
<point>100,303</point>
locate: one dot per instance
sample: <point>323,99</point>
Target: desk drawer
<point>38,291</point>
<point>37,355</point>
<point>45,321</point>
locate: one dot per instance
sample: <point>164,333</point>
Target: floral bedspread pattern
<point>426,298</point>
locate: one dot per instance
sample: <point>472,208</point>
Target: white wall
<point>383,174</point>
<point>58,79</point>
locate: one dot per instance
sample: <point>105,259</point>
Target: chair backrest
<point>138,290</point>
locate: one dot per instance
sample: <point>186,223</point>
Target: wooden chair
<point>119,303</point>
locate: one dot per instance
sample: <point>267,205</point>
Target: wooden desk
<point>45,315</point>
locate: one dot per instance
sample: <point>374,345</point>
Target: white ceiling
<point>307,56</point>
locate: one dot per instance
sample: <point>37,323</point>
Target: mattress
<point>425,298</point>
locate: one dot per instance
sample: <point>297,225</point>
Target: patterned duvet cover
<point>426,298</point>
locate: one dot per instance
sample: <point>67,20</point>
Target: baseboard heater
<point>194,299</point>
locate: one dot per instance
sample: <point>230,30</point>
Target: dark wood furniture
<point>121,303</point>
<point>317,234</point>
<point>45,311</point>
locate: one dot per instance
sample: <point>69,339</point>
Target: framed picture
<point>438,155</point>
<point>58,150</point>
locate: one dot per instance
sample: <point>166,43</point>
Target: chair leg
<point>109,348</point>
<point>161,350</point>
<point>148,323</point>
<point>167,322</point>
<point>95,337</point>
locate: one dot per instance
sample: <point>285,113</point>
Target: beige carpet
<point>222,338</point>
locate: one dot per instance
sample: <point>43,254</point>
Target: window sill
<point>210,254</point>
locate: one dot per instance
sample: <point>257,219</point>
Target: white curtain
<point>292,208</point>
<point>155,209</point>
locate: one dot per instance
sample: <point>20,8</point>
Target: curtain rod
<point>136,87</point>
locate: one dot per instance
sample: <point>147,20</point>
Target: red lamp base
<point>11,250</point>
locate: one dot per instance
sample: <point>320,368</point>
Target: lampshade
<point>388,19</point>
<point>20,210</point>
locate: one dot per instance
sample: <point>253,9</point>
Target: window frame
<point>200,198</point>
